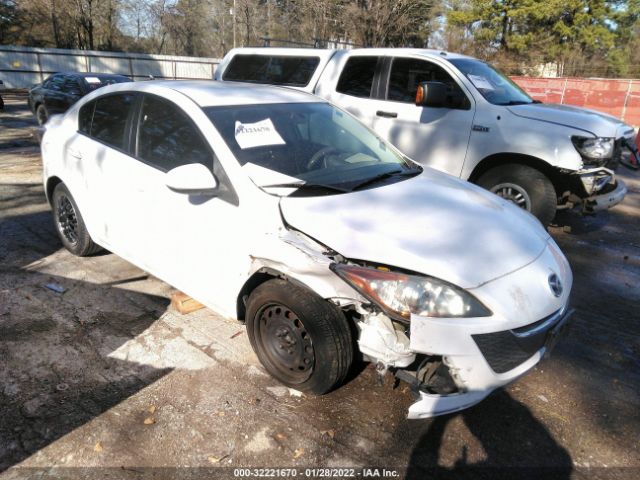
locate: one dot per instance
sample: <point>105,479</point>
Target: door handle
<point>380,113</point>
<point>74,153</point>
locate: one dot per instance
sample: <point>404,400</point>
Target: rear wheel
<point>70,225</point>
<point>301,339</point>
<point>526,187</point>
<point>42,114</point>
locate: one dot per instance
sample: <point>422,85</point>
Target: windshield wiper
<point>385,175</point>
<point>511,103</point>
<point>306,186</point>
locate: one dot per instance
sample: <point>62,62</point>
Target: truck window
<point>407,73</point>
<point>357,77</point>
<point>275,70</point>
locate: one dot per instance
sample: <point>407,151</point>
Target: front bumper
<point>482,365</point>
<point>483,354</point>
<point>606,200</point>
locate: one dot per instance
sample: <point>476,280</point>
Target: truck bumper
<point>603,201</point>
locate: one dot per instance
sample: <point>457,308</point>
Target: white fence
<point>22,67</point>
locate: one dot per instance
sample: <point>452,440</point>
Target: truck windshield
<point>315,143</point>
<point>492,85</point>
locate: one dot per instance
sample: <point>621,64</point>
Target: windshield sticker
<point>92,80</point>
<point>481,82</point>
<point>259,134</point>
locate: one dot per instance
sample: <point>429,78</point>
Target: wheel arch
<point>506,158</point>
<point>259,277</point>
<point>52,183</point>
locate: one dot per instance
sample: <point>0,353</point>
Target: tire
<point>70,225</point>
<point>42,114</point>
<point>525,186</point>
<point>301,339</point>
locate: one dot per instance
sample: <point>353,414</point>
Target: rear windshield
<point>94,82</point>
<point>274,70</point>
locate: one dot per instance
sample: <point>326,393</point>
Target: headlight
<point>594,148</point>
<point>399,294</point>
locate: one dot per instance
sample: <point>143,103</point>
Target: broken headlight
<point>400,295</point>
<point>593,149</point>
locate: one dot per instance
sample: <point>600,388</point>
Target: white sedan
<point>281,210</point>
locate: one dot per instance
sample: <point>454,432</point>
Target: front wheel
<point>526,187</point>
<point>301,339</point>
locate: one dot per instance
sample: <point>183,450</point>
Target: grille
<point>504,350</point>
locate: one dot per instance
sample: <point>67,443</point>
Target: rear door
<point>436,137</point>
<point>357,87</point>
<point>101,153</point>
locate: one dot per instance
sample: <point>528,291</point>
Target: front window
<point>493,85</point>
<point>315,143</point>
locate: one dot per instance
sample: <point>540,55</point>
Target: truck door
<point>436,137</point>
<point>356,87</point>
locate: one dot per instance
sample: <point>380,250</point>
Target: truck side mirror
<point>431,94</point>
<point>441,95</point>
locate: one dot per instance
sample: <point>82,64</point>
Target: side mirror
<point>440,95</point>
<point>192,179</point>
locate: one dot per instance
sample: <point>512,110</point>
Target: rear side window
<point>167,138</point>
<point>71,86</point>
<point>407,73</point>
<point>357,77</point>
<point>55,82</point>
<point>275,70</point>
<point>110,117</point>
<point>85,116</point>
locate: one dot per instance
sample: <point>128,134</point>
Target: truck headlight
<point>599,148</point>
<point>400,294</point>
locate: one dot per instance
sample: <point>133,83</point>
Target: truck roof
<point>327,52</point>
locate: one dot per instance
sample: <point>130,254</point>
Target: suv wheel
<point>525,186</point>
<point>70,225</point>
<point>301,339</point>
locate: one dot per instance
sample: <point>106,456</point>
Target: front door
<point>194,242</point>
<point>436,137</point>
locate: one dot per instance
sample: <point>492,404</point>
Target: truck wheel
<point>301,339</point>
<point>42,115</point>
<point>525,186</point>
<point>70,225</point>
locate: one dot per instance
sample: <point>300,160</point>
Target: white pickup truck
<point>459,115</point>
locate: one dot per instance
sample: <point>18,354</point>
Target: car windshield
<point>309,144</point>
<point>94,82</point>
<point>493,85</point>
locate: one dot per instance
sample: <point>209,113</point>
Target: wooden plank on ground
<point>184,304</point>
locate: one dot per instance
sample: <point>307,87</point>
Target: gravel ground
<point>106,381</point>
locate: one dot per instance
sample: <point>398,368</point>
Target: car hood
<point>597,123</point>
<point>433,224</point>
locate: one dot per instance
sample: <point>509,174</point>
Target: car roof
<point>208,93</point>
<point>91,74</point>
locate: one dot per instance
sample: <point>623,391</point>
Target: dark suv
<point>61,90</point>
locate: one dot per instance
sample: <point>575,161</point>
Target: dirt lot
<point>105,380</point>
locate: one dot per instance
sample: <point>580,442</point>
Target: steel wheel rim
<point>67,219</point>
<point>513,193</point>
<point>285,342</point>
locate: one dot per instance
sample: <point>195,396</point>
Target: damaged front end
<point>439,339</point>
